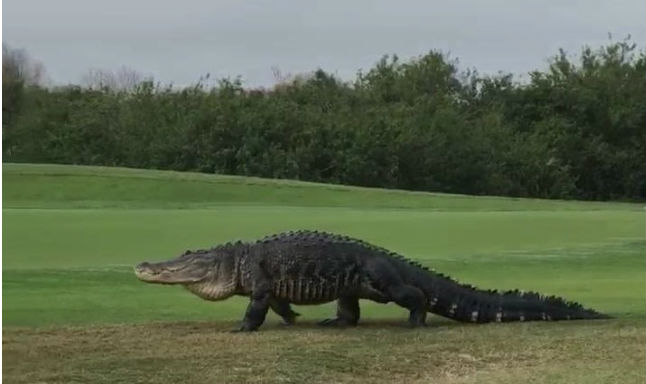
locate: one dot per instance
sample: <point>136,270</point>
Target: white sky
<point>178,41</point>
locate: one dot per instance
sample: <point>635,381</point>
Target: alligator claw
<point>336,323</point>
<point>328,322</point>
<point>291,318</point>
<point>243,328</point>
<point>415,325</point>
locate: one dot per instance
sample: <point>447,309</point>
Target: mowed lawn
<point>74,312</point>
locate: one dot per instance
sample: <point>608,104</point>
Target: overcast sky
<point>177,41</point>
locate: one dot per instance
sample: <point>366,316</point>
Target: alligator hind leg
<point>282,308</point>
<point>382,278</point>
<point>413,299</point>
<point>347,313</point>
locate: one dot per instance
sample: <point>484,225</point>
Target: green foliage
<point>575,130</point>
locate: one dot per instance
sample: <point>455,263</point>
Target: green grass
<point>71,235</point>
<point>64,186</point>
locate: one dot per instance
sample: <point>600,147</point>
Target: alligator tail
<point>465,303</point>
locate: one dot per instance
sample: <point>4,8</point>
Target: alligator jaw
<point>146,273</point>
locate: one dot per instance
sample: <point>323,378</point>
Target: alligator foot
<point>337,322</point>
<point>244,328</point>
<point>416,320</point>
<point>290,319</point>
<point>415,325</point>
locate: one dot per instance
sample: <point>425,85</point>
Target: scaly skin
<point>309,267</point>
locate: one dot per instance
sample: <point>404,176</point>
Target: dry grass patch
<point>584,352</point>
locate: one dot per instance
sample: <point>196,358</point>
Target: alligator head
<point>209,274</point>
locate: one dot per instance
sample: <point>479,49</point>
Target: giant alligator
<point>310,267</point>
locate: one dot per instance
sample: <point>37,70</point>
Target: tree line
<point>575,130</point>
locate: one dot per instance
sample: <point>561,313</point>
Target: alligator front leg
<point>260,298</point>
<point>283,309</point>
<point>256,311</point>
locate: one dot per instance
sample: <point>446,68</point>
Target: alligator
<point>311,267</point>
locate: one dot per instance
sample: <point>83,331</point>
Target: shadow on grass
<point>399,325</point>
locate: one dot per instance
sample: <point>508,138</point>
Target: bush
<point>575,130</point>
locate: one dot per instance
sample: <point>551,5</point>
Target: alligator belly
<point>304,292</point>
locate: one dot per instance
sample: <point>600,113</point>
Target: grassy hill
<point>73,311</point>
<point>65,186</point>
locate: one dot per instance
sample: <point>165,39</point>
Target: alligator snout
<point>143,267</point>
